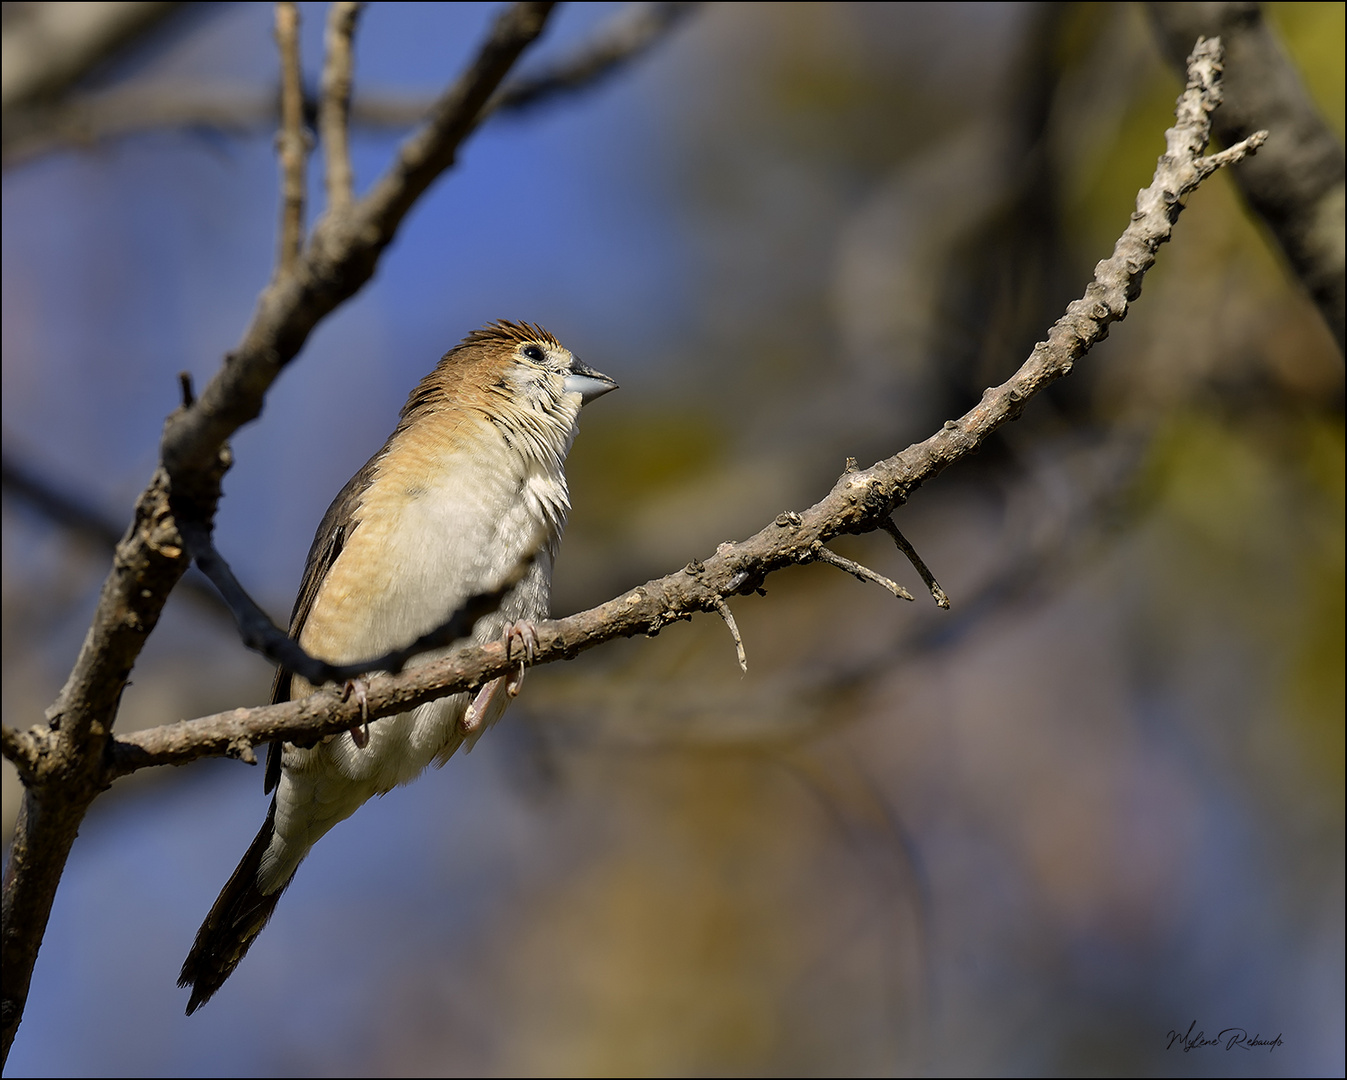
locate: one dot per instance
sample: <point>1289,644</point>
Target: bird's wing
<point>333,531</point>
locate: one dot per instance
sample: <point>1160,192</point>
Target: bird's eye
<point>532,352</point>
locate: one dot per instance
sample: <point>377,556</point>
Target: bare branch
<point>632,33</point>
<point>334,110</point>
<point>20,747</point>
<point>937,593</point>
<point>84,121</point>
<point>49,47</point>
<point>860,501</point>
<point>1245,148</point>
<point>61,507</point>
<point>432,150</point>
<point>725,613</point>
<point>1298,185</point>
<point>72,513</point>
<point>291,141</point>
<point>343,253</point>
<point>822,554</point>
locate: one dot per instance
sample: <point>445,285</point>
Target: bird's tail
<point>237,917</point>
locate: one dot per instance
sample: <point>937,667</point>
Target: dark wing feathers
<point>337,524</point>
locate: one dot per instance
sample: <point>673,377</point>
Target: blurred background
<point>1099,800</point>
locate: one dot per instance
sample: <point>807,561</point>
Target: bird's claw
<point>526,633</point>
<point>359,689</point>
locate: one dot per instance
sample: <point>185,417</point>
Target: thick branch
<point>72,771</point>
<point>1298,184</point>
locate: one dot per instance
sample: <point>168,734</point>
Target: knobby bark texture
<point>1298,183</point>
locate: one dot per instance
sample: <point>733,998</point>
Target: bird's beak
<point>587,382</point>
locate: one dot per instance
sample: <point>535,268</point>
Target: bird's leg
<point>359,688</point>
<point>491,699</point>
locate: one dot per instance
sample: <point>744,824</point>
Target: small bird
<point>469,486</point>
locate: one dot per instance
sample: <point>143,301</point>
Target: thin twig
<point>49,49</point>
<point>20,748</point>
<point>87,120</point>
<point>334,111</point>
<point>937,593</point>
<point>1239,152</point>
<point>59,506</point>
<point>631,33</point>
<point>290,141</point>
<point>259,633</point>
<point>864,573</point>
<point>726,614</point>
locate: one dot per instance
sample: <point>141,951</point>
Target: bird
<point>469,488</point>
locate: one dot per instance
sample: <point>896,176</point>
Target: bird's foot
<point>526,633</point>
<point>490,701</point>
<point>359,689</point>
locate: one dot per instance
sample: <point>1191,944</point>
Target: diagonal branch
<point>630,35</point>
<point>61,507</point>
<point>860,501</point>
<point>918,564</point>
<point>1297,185</point>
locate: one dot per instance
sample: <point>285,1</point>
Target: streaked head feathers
<point>507,333</point>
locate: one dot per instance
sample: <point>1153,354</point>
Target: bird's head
<point>518,376</point>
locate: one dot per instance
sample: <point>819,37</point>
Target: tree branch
<point>83,121</point>
<point>259,633</point>
<point>340,258</point>
<point>335,108</point>
<point>937,593</point>
<point>1298,185</point>
<point>76,757</point>
<point>292,141</point>
<point>22,482</point>
<point>50,47</point>
<point>860,501</point>
<point>628,36</point>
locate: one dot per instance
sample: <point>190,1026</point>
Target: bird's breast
<point>440,521</point>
